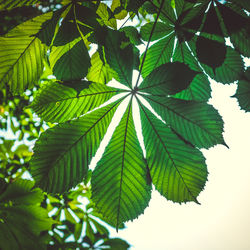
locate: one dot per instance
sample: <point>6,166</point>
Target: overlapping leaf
<point>22,55</point>
<point>66,62</point>
<point>22,218</point>
<point>120,56</point>
<point>63,153</point>
<point>198,25</point>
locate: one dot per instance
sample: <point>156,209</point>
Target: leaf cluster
<point>154,122</point>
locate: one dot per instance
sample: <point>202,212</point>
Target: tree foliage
<point>158,120</point>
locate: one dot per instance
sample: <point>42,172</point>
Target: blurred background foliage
<point>35,219</point>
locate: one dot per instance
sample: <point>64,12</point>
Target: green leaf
<point>49,27</point>
<point>158,54</point>
<point>11,4</point>
<point>120,185</point>
<point>243,92</point>
<point>58,103</point>
<point>233,21</point>
<point>22,218</point>
<point>116,243</point>
<point>22,54</point>
<point>133,35</point>
<point>241,41</point>
<point>210,52</point>
<point>198,123</point>
<point>20,192</point>
<point>119,55</point>
<point>104,13</point>
<point>62,154</point>
<point>231,69</point>
<point>99,71</point>
<point>178,171</point>
<point>198,90</point>
<point>168,79</point>
<point>161,30</point>
<point>71,61</point>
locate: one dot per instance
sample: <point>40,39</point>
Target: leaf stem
<point>151,34</point>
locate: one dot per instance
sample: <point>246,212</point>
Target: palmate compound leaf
<point>178,170</point>
<point>121,186</point>
<point>62,154</point>
<point>58,103</point>
<point>22,54</point>
<point>22,217</point>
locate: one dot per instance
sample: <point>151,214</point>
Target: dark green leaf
<point>133,35</point>
<point>210,52</point>
<point>168,79</point>
<point>119,55</point>
<point>22,218</point>
<point>71,61</point>
<point>243,92</point>
<point>116,243</point>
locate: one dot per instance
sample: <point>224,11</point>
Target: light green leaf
<point>11,4</point>
<point>120,184</point>
<point>62,154</point>
<point>22,54</point>
<point>58,103</point>
<point>104,13</point>
<point>100,72</point>
<point>178,171</point>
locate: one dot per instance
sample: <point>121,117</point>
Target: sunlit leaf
<point>63,153</point>
<point>121,188</point>
<point>22,55</point>
<point>58,103</point>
